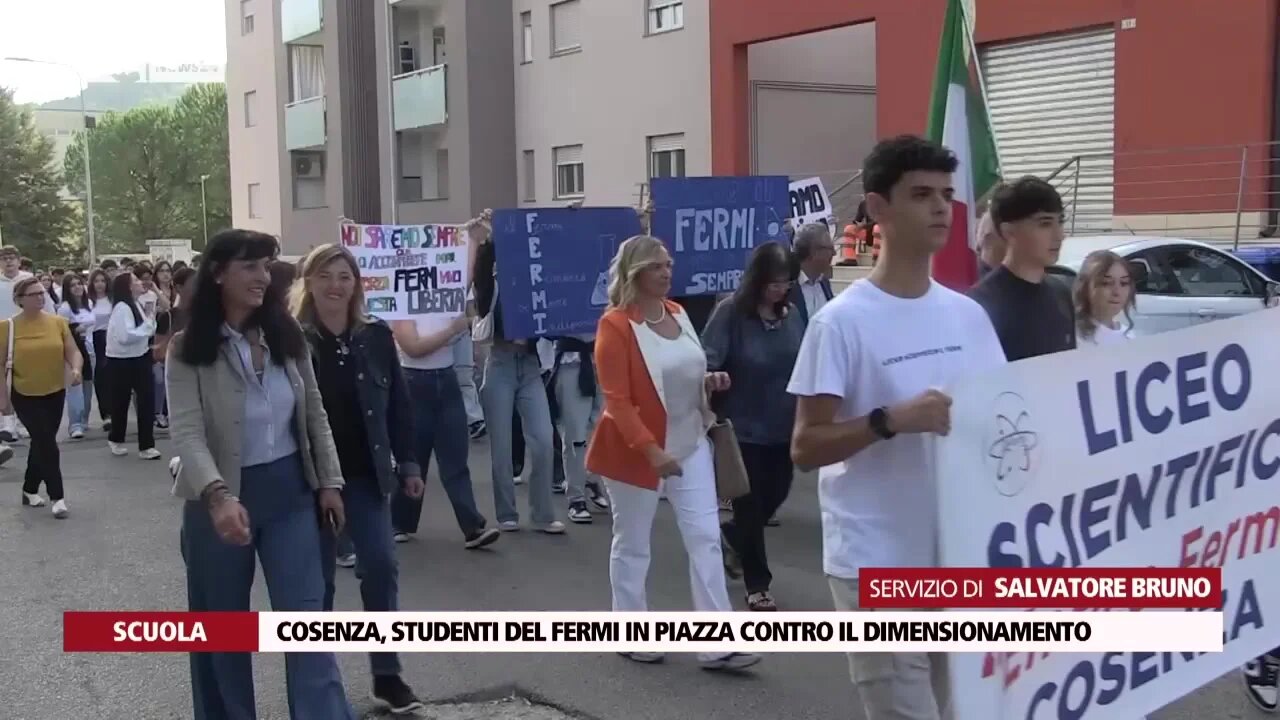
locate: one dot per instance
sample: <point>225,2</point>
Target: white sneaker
<point>32,499</point>
<point>555,527</point>
<point>117,449</point>
<point>77,434</point>
<point>60,509</point>
<point>149,454</point>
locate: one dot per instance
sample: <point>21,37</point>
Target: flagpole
<point>982,85</point>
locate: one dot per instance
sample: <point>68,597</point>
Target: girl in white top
<point>99,295</point>
<point>76,310</point>
<point>129,335</point>
<point>1104,292</point>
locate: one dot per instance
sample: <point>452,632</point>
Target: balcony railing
<point>420,98</point>
<point>304,124</point>
<point>300,19</point>
<point>1227,194</point>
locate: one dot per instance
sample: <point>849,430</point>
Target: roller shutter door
<point>1051,99</point>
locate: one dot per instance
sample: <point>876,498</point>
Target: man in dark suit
<point>814,251</point>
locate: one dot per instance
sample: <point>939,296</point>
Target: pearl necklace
<point>661,317</point>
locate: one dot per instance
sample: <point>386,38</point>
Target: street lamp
<point>88,176</point>
<point>204,210</point>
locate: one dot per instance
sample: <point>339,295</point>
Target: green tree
<point>147,163</point>
<point>201,116</point>
<point>32,214</point>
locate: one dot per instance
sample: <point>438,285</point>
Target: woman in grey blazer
<point>258,467</point>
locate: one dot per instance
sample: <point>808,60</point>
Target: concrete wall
<point>623,87</point>
<point>255,151</point>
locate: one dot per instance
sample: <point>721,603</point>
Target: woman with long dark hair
<point>258,465</point>
<point>129,335</point>
<point>98,293</point>
<point>358,370</point>
<point>78,313</point>
<point>754,336</point>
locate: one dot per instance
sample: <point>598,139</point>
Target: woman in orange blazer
<point>653,435</point>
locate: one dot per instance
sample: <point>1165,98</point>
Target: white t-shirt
<point>101,314</point>
<point>1104,336</point>
<point>438,360</point>
<point>873,350</point>
<point>8,306</point>
<point>683,365</point>
<point>147,302</point>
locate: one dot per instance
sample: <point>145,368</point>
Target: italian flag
<point>958,119</point>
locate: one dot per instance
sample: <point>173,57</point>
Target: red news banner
<point>1048,588</point>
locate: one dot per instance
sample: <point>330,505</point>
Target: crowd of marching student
<point>289,404</point>
<point>73,337</point>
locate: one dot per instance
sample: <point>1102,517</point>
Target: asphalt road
<point>119,550</point>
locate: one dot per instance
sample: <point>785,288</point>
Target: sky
<point>101,37</point>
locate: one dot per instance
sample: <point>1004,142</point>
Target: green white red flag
<point>958,119</point>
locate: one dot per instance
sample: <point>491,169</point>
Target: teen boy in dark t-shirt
<point>1031,310</point>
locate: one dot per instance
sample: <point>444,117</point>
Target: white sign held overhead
<point>810,203</point>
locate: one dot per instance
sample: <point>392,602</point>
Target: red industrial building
<point>1122,83</point>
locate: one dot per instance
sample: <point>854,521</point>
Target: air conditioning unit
<point>308,166</point>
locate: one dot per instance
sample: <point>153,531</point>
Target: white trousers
<point>693,498</point>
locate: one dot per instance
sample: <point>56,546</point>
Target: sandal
<point>761,602</point>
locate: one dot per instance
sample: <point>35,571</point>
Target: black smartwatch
<point>879,421</point>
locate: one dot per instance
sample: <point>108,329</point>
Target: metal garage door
<point>1052,99</point>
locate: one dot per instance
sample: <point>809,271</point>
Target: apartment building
<point>377,111</point>
<point>609,93</point>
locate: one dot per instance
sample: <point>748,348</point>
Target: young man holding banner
<point>869,379</point>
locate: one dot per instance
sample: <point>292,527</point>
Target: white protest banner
<point>411,270</point>
<point>810,203</point>
<point>1160,452</point>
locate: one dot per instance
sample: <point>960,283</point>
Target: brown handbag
<point>731,471</point>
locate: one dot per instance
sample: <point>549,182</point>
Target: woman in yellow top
<point>39,351</point>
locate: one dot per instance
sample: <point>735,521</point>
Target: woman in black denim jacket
<point>358,371</point>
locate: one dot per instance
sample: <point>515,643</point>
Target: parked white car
<point>1178,282</point>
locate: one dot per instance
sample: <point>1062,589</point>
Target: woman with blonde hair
<point>653,436</point>
<point>39,349</point>
<point>1103,292</point>
<point>364,395</point>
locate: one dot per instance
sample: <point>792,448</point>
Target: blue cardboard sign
<point>553,267</point>
<point>712,224</point>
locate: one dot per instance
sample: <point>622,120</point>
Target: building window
<point>565,35</point>
<point>570,172</point>
<point>246,17</point>
<point>526,37</point>
<point>666,156</point>
<point>308,180</point>
<point>251,108</point>
<point>665,15</point>
<point>255,200</point>
<point>530,177</point>
<point>306,72</point>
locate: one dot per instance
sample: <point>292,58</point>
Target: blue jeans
<point>578,416</point>
<point>440,425</point>
<point>464,364</point>
<point>286,537</point>
<point>162,399</point>
<point>79,405</point>
<point>513,380</point>
<point>369,529</point>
